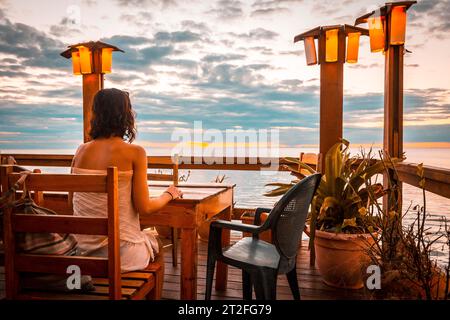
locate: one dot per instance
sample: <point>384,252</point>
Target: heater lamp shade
<point>76,63</point>
<point>106,60</point>
<point>376,33</point>
<point>331,45</point>
<point>85,60</point>
<point>310,51</point>
<point>398,26</point>
<point>353,47</point>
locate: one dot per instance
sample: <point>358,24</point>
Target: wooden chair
<point>106,273</point>
<point>312,159</point>
<point>173,231</point>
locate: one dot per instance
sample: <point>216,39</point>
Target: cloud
<point>227,9</point>
<point>270,7</point>
<point>34,48</point>
<point>140,53</point>
<point>141,20</point>
<point>256,34</point>
<point>140,3</point>
<point>223,57</point>
<point>177,36</point>
<point>365,66</point>
<point>269,11</point>
<point>66,27</point>
<point>193,25</point>
<point>431,17</point>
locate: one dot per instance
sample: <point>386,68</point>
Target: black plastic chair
<point>260,261</point>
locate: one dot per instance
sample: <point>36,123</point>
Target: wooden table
<point>199,201</point>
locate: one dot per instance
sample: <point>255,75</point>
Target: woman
<point>112,132</point>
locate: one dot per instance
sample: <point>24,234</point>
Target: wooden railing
<point>164,162</point>
<point>437,179</point>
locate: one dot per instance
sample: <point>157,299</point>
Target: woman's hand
<point>174,192</point>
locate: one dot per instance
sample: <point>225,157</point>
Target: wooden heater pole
<point>92,83</point>
<point>393,111</point>
<point>331,95</point>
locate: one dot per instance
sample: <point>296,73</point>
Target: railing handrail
<point>165,162</point>
<point>437,179</point>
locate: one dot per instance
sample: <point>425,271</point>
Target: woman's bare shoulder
<point>137,150</point>
<point>81,148</point>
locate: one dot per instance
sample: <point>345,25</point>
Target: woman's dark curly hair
<point>113,115</point>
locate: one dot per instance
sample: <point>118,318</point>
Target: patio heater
<point>91,60</point>
<point>387,30</point>
<point>336,45</point>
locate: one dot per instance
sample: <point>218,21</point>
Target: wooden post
<point>92,83</point>
<point>393,109</point>
<point>331,94</point>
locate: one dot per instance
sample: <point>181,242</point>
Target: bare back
<point>99,154</point>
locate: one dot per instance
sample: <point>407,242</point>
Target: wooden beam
<point>393,102</point>
<point>393,111</point>
<point>63,182</point>
<point>92,83</point>
<point>437,180</point>
<point>161,162</point>
<point>59,224</point>
<point>331,94</point>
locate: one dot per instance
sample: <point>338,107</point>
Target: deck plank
<point>310,281</point>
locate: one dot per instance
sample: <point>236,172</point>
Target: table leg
<point>188,264</point>
<point>222,268</point>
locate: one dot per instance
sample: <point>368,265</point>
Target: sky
<point>230,64</point>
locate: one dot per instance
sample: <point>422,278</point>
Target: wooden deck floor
<point>310,282</point>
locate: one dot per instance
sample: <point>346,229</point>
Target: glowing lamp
<point>106,60</point>
<point>331,45</point>
<point>91,57</point>
<point>76,63</point>
<point>398,25</point>
<point>310,51</point>
<point>85,60</point>
<point>376,33</point>
<point>353,47</point>
<point>387,25</point>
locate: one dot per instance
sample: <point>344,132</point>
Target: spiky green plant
<point>342,202</point>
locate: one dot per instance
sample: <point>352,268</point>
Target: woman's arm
<point>142,202</point>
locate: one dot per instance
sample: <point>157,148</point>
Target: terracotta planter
<point>340,257</point>
<point>203,227</point>
<point>248,218</point>
<point>163,232</point>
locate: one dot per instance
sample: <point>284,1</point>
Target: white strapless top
<point>137,247</point>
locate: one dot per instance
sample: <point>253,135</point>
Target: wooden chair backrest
<point>17,263</point>
<point>312,159</point>
<point>166,177</point>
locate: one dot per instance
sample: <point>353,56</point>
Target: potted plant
<point>341,224</point>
